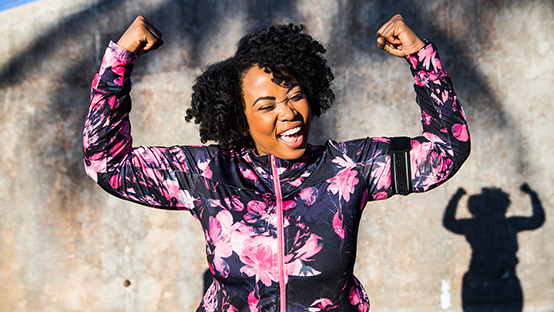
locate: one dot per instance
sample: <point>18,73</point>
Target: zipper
<point>280,234</point>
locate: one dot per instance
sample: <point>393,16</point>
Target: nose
<point>287,112</point>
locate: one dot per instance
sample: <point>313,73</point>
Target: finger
<point>390,36</point>
<point>155,32</point>
<point>150,42</point>
<point>386,45</point>
<point>150,36</point>
<point>383,31</point>
<point>389,25</point>
<point>381,42</point>
<point>143,25</point>
<point>394,50</point>
<point>153,45</point>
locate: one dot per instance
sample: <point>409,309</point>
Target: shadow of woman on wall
<point>491,283</point>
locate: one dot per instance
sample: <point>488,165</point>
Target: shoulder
<point>359,149</point>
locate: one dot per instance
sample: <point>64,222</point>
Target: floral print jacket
<point>280,235</point>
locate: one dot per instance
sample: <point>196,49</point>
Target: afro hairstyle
<point>217,104</point>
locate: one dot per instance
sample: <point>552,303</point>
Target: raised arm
<point>151,176</point>
<point>537,219</point>
<point>444,144</point>
<point>449,219</point>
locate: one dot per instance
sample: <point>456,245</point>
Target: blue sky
<point>8,4</point>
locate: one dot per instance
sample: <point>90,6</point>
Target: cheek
<point>306,112</point>
<point>259,125</point>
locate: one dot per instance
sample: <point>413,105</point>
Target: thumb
<point>387,46</point>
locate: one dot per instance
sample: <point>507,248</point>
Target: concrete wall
<point>68,246</point>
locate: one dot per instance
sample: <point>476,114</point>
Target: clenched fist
<point>397,38</point>
<point>141,37</point>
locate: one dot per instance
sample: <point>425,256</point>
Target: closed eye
<point>297,96</point>
<point>266,107</point>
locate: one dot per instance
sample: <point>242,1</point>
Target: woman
<point>280,216</point>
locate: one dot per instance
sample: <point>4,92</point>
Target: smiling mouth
<point>291,136</point>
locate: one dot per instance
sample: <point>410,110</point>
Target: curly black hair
<point>217,104</point>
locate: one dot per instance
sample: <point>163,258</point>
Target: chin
<point>293,154</point>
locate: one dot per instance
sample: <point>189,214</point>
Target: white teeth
<point>291,131</point>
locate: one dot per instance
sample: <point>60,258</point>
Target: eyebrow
<point>263,98</point>
<point>294,85</point>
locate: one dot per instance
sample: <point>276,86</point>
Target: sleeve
<point>154,176</point>
<point>444,145</point>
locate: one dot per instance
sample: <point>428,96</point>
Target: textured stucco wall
<point>68,246</point>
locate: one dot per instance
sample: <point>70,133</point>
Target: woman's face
<point>278,116</point>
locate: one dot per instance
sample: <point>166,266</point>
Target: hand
<point>397,38</point>
<point>526,188</point>
<point>141,37</point>
<point>461,192</point>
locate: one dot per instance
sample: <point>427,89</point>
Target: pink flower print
<point>261,172</point>
<point>205,168</point>
<point>381,139</point>
<point>214,203</point>
<point>426,118</point>
<point>179,159</point>
<point>209,302</point>
<point>432,138</point>
<point>437,63</point>
<point>343,183</point>
<point>358,297</point>
<point>289,204</point>
<point>240,233</point>
<point>420,78</point>
<point>379,196</point>
<point>93,168</point>
<point>462,112</point>
<point>256,206</point>
<point>309,195</point>
<point>222,267</point>
<point>186,199</point>
<point>280,170</point>
<point>260,260</point>
<point>345,162</point>
<point>434,77</point>
<point>322,304</point>
<point>455,105</point>
<point>337,226</point>
<point>354,296</point>
<point>234,203</point>
<point>306,245</point>
<point>438,101</point>
<point>119,144</point>
<point>297,182</point>
<point>253,302</point>
<point>96,100</point>
<point>257,210</point>
<point>419,150</point>
<point>115,181</point>
<point>413,60</point>
<point>231,308</point>
<point>382,174</point>
<point>248,174</point>
<point>460,132</point>
<point>445,96</point>
<point>172,188</point>
<point>218,236</point>
<point>433,167</point>
<point>355,299</point>
<point>426,55</point>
